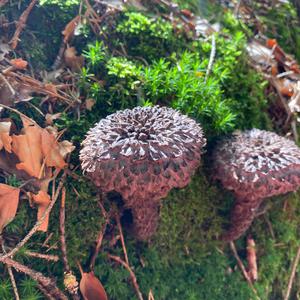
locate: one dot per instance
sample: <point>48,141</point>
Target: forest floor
<point>230,65</point>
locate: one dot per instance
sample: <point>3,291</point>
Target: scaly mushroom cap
<point>142,153</point>
<point>257,163</point>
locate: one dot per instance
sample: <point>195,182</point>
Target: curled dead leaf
<point>9,200</point>
<point>19,63</point>
<point>89,103</point>
<point>65,147</point>
<point>91,288</point>
<point>5,138</point>
<point>50,150</point>
<point>74,62</point>
<point>42,200</point>
<point>70,28</point>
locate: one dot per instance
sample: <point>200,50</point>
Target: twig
<point>211,57</point>
<point>11,89</point>
<point>46,282</point>
<point>269,226</point>
<point>132,275</point>
<point>100,236</point>
<point>62,231</point>
<point>47,257</point>
<point>45,292</point>
<point>13,282</point>
<point>12,279</point>
<point>292,276</point>
<point>21,24</point>
<point>122,238</point>
<point>243,269</point>
<point>39,222</point>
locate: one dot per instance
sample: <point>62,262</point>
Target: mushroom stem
<point>242,215</point>
<point>145,219</point>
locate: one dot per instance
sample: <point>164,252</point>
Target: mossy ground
<point>184,260</point>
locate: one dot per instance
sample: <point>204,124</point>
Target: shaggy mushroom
<point>255,164</point>
<point>141,154</point>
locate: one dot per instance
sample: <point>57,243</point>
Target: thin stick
<point>47,257</point>
<point>46,282</point>
<point>8,85</point>
<point>132,275</point>
<point>122,238</point>
<point>100,235</point>
<point>38,223</point>
<point>12,279</point>
<point>62,231</point>
<point>292,276</point>
<point>211,57</point>
<point>13,282</point>
<point>243,269</point>
<point>21,24</point>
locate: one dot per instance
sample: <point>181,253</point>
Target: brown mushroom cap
<point>255,164</point>
<point>142,153</point>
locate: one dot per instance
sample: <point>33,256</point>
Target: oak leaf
<point>27,147</point>
<point>91,288</point>
<point>9,200</point>
<point>51,151</point>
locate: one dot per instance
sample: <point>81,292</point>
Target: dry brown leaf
<point>19,63</point>
<point>70,28</point>
<point>27,147</point>
<point>74,62</point>
<point>5,138</point>
<point>51,151</point>
<point>50,118</point>
<point>65,147</point>
<point>91,288</point>
<point>42,200</point>
<point>9,200</point>
<point>89,103</point>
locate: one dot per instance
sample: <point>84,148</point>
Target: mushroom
<point>255,164</point>
<point>142,154</point>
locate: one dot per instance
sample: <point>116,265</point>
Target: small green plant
<point>95,54</point>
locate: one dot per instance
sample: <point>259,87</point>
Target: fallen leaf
<point>89,103</point>
<point>51,151</point>
<point>9,200</point>
<point>19,63</point>
<point>271,43</point>
<point>74,62</point>
<point>27,147</point>
<point>5,138</point>
<point>42,200</point>
<point>91,288</point>
<point>50,118</point>
<point>65,147</point>
<point>70,28</point>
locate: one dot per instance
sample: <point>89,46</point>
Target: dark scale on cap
<point>142,154</point>
<point>255,164</point>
